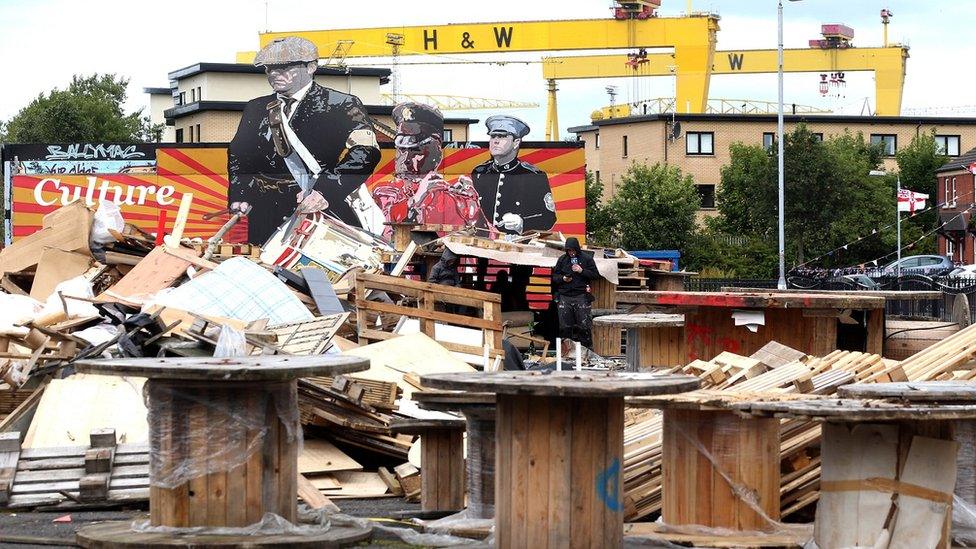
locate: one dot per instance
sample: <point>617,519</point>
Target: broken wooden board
<point>416,354</point>
<point>774,354</point>
<point>310,337</point>
<point>71,408</point>
<point>66,228</point>
<point>352,484</point>
<point>921,521</point>
<point>321,456</point>
<point>313,497</point>
<point>55,267</point>
<point>156,271</point>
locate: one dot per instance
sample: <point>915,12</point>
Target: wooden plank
<point>537,472</point>
<point>182,214</point>
<point>522,409</point>
<point>236,448</point>
<point>504,476</point>
<point>67,228</point>
<point>156,271</point>
<point>9,455</point>
<point>56,266</point>
<point>921,522</point>
<point>321,456</point>
<point>313,497</point>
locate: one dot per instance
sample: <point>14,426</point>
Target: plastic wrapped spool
<point>222,453</point>
<point>481,464</point>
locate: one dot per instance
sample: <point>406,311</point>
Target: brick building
<point>204,101</point>
<point>957,200</point>
<point>702,149</point>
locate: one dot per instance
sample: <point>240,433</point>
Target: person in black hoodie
<point>445,270</point>
<point>570,281</point>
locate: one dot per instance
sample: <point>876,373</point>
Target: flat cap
<point>416,122</point>
<point>287,50</point>
<point>503,124</point>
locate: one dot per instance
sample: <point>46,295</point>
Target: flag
<point>909,201</point>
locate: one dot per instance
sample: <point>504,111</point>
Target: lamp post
<point>779,138</point>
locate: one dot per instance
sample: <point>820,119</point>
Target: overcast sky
<point>44,42</point>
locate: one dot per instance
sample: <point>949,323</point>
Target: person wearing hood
<point>445,270</point>
<point>571,289</point>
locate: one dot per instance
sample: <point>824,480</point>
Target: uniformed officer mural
<point>418,193</point>
<point>288,149</point>
<point>515,196</point>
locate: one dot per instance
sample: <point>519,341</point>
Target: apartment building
<point>702,147</point>
<point>957,199</point>
<point>204,101</point>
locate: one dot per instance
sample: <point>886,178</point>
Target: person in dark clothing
<point>570,281</point>
<point>445,270</point>
<point>504,288</point>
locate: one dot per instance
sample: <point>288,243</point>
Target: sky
<point>45,42</point>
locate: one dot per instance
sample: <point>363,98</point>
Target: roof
<point>203,106</point>
<point>961,162</point>
<point>244,68</point>
<point>730,117</point>
<point>158,91</point>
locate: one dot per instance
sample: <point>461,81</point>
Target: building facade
<point>957,200</point>
<point>204,101</point>
<point>702,148</point>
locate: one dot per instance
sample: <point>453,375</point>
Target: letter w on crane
<point>735,61</point>
<point>503,36</point>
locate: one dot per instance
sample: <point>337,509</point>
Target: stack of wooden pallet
<point>953,358</point>
<point>773,370</point>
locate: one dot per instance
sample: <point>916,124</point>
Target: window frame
<point>698,136</point>
<point>199,134</point>
<point>179,135</point>
<point>448,135</point>
<point>946,138</point>
<point>625,147</point>
<point>772,140</point>
<point>883,137</point>
<point>596,140</point>
<point>713,187</point>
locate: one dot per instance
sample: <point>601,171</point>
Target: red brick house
<point>957,202</point>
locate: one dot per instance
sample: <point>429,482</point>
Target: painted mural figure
<point>288,151</point>
<point>417,193</point>
<point>515,195</point>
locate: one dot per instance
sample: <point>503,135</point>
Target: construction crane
<point>455,102</point>
<point>834,54</point>
<point>635,23</point>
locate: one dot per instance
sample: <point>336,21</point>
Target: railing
<point>935,309</point>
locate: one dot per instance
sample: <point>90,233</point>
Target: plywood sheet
<point>72,407</point>
<point>55,267</point>
<point>358,485</point>
<point>66,228</point>
<point>414,353</point>
<point>156,271</point>
<point>321,456</point>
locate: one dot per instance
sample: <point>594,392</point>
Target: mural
<point>303,148</point>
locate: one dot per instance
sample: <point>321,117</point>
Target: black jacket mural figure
<point>325,123</point>
<point>515,196</point>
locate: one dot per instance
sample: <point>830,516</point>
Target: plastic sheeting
<point>201,428</point>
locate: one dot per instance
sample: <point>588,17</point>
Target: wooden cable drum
<point>904,338</point>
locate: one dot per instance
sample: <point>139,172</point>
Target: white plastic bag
<point>230,342</point>
<point>107,216</point>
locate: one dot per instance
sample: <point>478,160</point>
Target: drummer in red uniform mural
<point>418,193</point>
<point>515,196</point>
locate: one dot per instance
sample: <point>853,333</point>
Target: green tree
<point>830,200</point>
<point>917,164</point>
<point>599,225</point>
<point>89,109</point>
<point>654,208</point>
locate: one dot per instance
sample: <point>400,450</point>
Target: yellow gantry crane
<point>456,102</point>
<point>833,54</point>
<point>634,25</point>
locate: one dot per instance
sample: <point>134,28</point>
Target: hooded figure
<point>571,288</point>
<point>445,270</point>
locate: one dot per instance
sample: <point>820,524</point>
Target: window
<point>199,93</point>
<point>707,195</point>
<point>181,100</point>
<point>818,137</point>
<point>910,262</point>
<point>889,142</point>
<point>199,134</point>
<point>193,95</point>
<point>597,174</point>
<point>191,133</point>
<point>179,135</point>
<point>702,143</point>
<point>596,140</point>
<point>949,248</point>
<point>952,196</point>
<point>947,144</point>
<point>769,140</point>
<point>625,146</point>
<point>448,135</point>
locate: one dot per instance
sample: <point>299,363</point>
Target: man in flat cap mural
<point>288,149</point>
<point>418,193</point>
<point>515,196</point>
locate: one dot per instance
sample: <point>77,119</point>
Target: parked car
<point>862,281</point>
<point>963,271</point>
<point>928,265</point>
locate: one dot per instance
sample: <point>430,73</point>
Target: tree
<point>654,208</point>
<point>599,225</point>
<point>830,200</point>
<point>917,164</point>
<point>89,110</point>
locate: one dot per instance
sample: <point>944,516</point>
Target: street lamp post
<point>779,138</point>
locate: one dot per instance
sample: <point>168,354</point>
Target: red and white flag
<point>909,201</point>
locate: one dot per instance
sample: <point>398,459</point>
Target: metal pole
<point>898,226</point>
<point>779,136</point>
